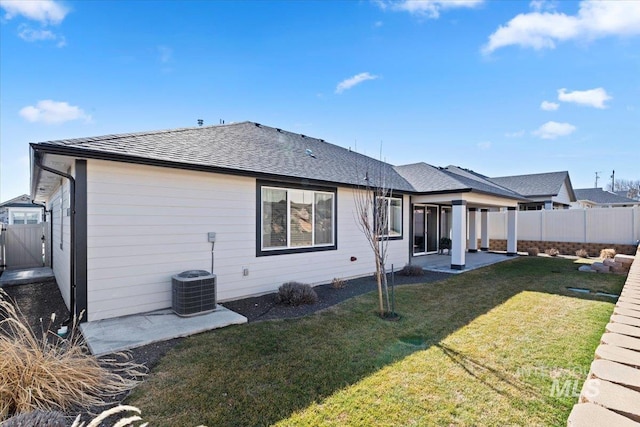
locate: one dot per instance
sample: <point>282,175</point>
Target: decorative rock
<point>624,259</point>
<point>600,267</point>
<point>586,268</point>
<point>612,263</point>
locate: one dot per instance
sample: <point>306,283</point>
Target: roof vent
<point>257,125</point>
<point>279,130</point>
<point>310,153</point>
<point>304,136</point>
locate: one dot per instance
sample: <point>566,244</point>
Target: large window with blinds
<point>295,219</point>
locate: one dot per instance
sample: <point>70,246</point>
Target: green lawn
<point>502,345</point>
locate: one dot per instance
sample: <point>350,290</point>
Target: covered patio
<point>454,203</point>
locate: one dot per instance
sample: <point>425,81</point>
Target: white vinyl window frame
<point>394,216</point>
<point>290,247</point>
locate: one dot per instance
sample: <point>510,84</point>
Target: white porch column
<point>458,234</point>
<point>484,229</point>
<point>473,234</point>
<point>548,205</point>
<point>512,231</point>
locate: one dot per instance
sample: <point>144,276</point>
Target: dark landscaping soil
<point>38,300</point>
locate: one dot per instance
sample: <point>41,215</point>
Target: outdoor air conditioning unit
<point>193,292</point>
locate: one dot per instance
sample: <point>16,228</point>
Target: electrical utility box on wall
<point>211,236</point>
<point>193,292</point>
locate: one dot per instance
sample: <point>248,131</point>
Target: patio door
<point>425,229</point>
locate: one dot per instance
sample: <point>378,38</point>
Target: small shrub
<point>533,251</point>
<point>338,283</point>
<point>608,253</point>
<point>294,293</point>
<point>552,252</point>
<point>412,270</point>
<point>582,253</point>
<point>46,372</point>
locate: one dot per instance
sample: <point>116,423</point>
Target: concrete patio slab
<point>473,260</point>
<point>590,414</point>
<point>25,276</point>
<point>619,340</point>
<point>124,333</point>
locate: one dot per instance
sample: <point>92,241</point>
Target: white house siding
<point>147,223</point>
<point>61,255</point>
<point>563,195</point>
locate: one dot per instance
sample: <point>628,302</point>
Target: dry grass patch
<point>43,371</point>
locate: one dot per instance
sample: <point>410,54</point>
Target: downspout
<point>72,250</point>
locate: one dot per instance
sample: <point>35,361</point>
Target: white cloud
<point>595,98</point>
<point>485,145</point>
<point>353,81</point>
<point>549,106</point>
<point>29,34</point>
<point>53,112</point>
<point>44,11</point>
<point>429,8</point>
<point>517,134</point>
<point>378,24</point>
<point>552,130</point>
<point>542,30</point>
<point>540,5</point>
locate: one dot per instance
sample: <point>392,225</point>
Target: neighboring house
<point>599,198</point>
<point>20,210</point>
<point>552,190</point>
<point>131,210</point>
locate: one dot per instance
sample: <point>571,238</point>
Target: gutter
<point>72,251</point>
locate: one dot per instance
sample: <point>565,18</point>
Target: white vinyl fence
<point>596,225</point>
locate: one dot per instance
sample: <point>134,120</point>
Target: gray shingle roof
<point>598,195</point>
<point>540,184</point>
<point>246,147</point>
<point>430,179</point>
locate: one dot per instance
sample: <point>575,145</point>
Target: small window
<point>389,211</point>
<point>295,219</point>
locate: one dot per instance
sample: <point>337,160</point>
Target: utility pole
<point>613,181</point>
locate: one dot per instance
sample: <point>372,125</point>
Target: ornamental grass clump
<point>294,293</point>
<point>552,252</point>
<point>582,253</point>
<point>533,251</point>
<point>46,372</point>
<point>608,253</point>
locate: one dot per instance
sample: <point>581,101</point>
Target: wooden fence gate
<point>23,246</point>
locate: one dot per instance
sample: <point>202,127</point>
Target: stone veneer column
<point>458,234</point>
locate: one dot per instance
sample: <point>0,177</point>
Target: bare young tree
<point>372,216</point>
<point>632,187</point>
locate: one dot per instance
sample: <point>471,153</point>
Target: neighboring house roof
<point>537,185</point>
<point>23,201</point>
<point>245,147</point>
<point>426,178</point>
<point>601,197</point>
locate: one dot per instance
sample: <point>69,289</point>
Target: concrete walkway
<point>611,394</point>
<point>127,332</point>
<point>25,276</point>
<point>442,263</point>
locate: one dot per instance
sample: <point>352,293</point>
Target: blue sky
<point>500,87</point>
